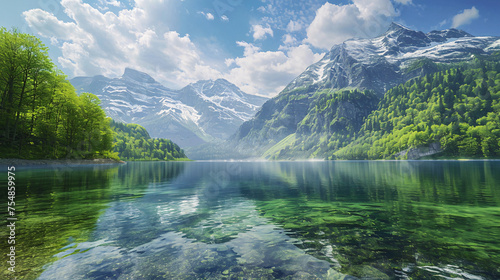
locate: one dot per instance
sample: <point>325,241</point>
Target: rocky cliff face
<point>377,64</point>
<point>331,122</point>
<point>420,152</point>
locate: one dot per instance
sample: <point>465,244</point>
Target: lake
<point>258,220</point>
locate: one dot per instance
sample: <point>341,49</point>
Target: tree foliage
<point>332,120</point>
<point>132,142</point>
<point>458,108</point>
<point>41,116</point>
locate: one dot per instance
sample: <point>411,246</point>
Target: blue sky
<point>260,45</point>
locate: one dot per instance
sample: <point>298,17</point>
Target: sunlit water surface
<point>259,220</point>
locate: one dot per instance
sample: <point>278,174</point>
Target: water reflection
<point>391,219</point>
<point>58,207</point>
<point>197,226</point>
<point>267,220</point>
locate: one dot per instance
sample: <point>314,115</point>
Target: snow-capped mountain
<point>381,63</point>
<point>223,107</point>
<point>377,64</point>
<point>128,98</point>
<point>199,113</point>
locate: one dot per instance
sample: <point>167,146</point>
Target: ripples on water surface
<point>259,220</point>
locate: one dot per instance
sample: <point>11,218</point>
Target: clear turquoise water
<point>259,220</point>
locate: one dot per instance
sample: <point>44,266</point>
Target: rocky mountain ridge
<point>376,65</point>
<point>379,64</point>
<point>196,114</point>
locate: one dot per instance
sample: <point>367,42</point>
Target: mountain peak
<point>396,27</point>
<point>217,81</point>
<point>443,35</point>
<point>224,81</point>
<point>138,76</point>
<point>396,30</point>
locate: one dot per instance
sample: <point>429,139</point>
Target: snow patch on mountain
<point>320,72</point>
<point>370,63</point>
<point>495,46</point>
<point>203,111</point>
<point>224,102</point>
<point>178,110</point>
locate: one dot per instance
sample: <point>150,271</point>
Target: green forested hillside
<point>41,116</point>
<point>455,109</point>
<point>332,121</point>
<point>132,142</point>
<point>458,108</point>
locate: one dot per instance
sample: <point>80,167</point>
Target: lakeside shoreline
<point>72,162</point>
<point>55,162</point>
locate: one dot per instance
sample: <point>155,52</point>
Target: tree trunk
<point>19,106</point>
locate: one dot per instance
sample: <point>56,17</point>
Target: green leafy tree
<point>134,143</point>
<point>41,116</point>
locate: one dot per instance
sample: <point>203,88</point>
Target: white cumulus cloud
<point>260,32</point>
<point>334,24</point>
<point>404,2</point>
<point>208,16</point>
<point>268,72</point>
<point>465,17</point>
<point>289,39</point>
<point>110,3</point>
<point>93,42</point>
<point>293,26</point>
